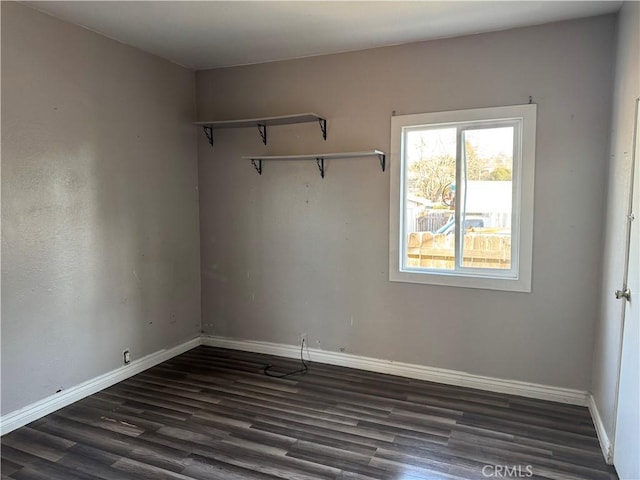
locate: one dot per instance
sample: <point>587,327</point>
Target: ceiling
<point>210,34</point>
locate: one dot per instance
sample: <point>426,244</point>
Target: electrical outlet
<point>126,357</point>
<point>302,338</point>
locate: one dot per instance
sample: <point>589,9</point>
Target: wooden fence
<point>480,250</point>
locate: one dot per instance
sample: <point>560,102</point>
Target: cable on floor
<point>304,368</point>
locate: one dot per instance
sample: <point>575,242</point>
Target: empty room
<point>320,240</point>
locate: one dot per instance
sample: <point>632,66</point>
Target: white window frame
<point>518,279</point>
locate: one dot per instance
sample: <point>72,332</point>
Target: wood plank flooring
<point>212,414</point>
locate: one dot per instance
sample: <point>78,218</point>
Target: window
<point>462,198</point>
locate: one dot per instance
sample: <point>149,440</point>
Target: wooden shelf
<point>257,160</point>
<point>262,123</point>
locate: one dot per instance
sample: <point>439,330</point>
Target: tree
<point>500,174</point>
<point>429,176</point>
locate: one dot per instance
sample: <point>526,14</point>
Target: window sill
<point>452,279</point>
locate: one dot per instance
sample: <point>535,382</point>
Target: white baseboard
<point>603,438</point>
<point>52,403</point>
<point>432,374</point>
<point>39,409</point>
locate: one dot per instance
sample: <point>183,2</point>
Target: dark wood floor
<point>213,414</point>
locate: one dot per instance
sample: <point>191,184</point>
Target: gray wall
<point>627,89</point>
<point>288,252</point>
<point>100,246</point>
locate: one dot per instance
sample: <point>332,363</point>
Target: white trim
<point>39,409</point>
<point>432,374</point>
<point>603,438</point>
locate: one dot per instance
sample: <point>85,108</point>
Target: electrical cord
<point>304,368</point>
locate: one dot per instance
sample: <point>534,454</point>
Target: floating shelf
<point>256,160</point>
<point>262,123</point>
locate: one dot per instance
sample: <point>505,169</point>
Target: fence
<point>432,221</point>
<point>480,250</point>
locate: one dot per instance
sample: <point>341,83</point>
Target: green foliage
<point>500,174</point>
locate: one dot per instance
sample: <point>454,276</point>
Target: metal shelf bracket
<point>262,128</point>
<point>320,162</point>
<point>323,127</point>
<point>257,166</point>
<point>383,160</point>
<point>208,131</point>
